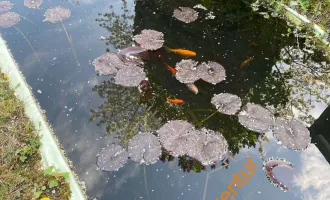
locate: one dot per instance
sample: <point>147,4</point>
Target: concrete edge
<point>51,151</point>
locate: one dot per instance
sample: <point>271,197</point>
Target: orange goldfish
<point>172,69</point>
<point>182,52</point>
<point>246,62</point>
<point>175,101</point>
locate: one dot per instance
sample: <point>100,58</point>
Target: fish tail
<point>168,49</point>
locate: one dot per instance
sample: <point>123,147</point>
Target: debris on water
<point>211,72</point>
<point>144,148</point>
<point>210,15</point>
<point>292,133</point>
<point>272,163</point>
<point>256,118</point>
<point>112,157</point>
<point>130,76</point>
<point>185,14</point>
<point>5,6</point>
<point>227,103</point>
<point>39,91</point>
<point>200,7</point>
<point>186,71</point>
<point>9,19</point>
<point>56,14</point>
<point>173,136</point>
<point>108,63</point>
<point>150,39</point>
<point>211,147</point>
<point>32,3</point>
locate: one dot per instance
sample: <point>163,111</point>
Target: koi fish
<point>172,69</point>
<point>246,62</point>
<point>175,101</point>
<point>253,44</point>
<point>182,52</point>
<point>192,87</point>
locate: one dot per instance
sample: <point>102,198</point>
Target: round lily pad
<point>112,157</point>
<point>227,103</point>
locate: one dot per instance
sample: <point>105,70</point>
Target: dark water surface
<point>63,84</point>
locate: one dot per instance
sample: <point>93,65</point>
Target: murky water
<point>89,112</point>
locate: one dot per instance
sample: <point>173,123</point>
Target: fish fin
<point>168,49</point>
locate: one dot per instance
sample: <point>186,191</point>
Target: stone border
<point>51,152</point>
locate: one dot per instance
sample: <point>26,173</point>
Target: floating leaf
<point>186,71</point>
<point>112,157</point>
<point>56,14</point>
<point>150,39</point>
<point>175,137</point>
<point>5,6</point>
<point>256,118</point>
<point>270,164</point>
<point>144,148</point>
<point>9,19</point>
<point>108,63</point>
<point>211,72</point>
<point>32,3</point>
<point>211,146</point>
<point>185,14</point>
<point>131,55</point>
<point>130,76</point>
<point>292,133</point>
<point>227,103</point>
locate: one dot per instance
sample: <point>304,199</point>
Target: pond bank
<point>24,129</point>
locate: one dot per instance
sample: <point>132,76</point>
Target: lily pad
<point>130,76</point>
<point>272,163</point>
<point>108,63</point>
<point>112,157</point>
<point>9,19</point>
<point>256,118</point>
<point>5,6</point>
<point>144,148</point>
<point>186,71</point>
<point>211,72</point>
<point>211,147</point>
<point>131,55</point>
<point>185,14</point>
<point>175,137</point>
<point>227,103</point>
<point>56,14</point>
<point>32,3</point>
<point>292,133</point>
<point>150,39</point>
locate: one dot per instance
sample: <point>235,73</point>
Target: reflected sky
<point>64,91</point>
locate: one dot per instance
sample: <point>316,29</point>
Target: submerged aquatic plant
<point>9,19</point>
<point>5,6</point>
<point>186,71</point>
<point>150,39</point>
<point>185,14</point>
<point>130,76</point>
<point>144,148</point>
<point>112,157</point>
<point>292,133</point>
<point>32,3</point>
<point>227,103</point>
<point>108,63</point>
<point>256,118</point>
<point>211,72</point>
<point>272,163</point>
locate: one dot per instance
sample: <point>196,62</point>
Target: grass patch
<point>21,173</point>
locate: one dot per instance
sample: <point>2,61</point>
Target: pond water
<point>89,111</point>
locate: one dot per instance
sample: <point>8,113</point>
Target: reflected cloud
<point>314,177</point>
